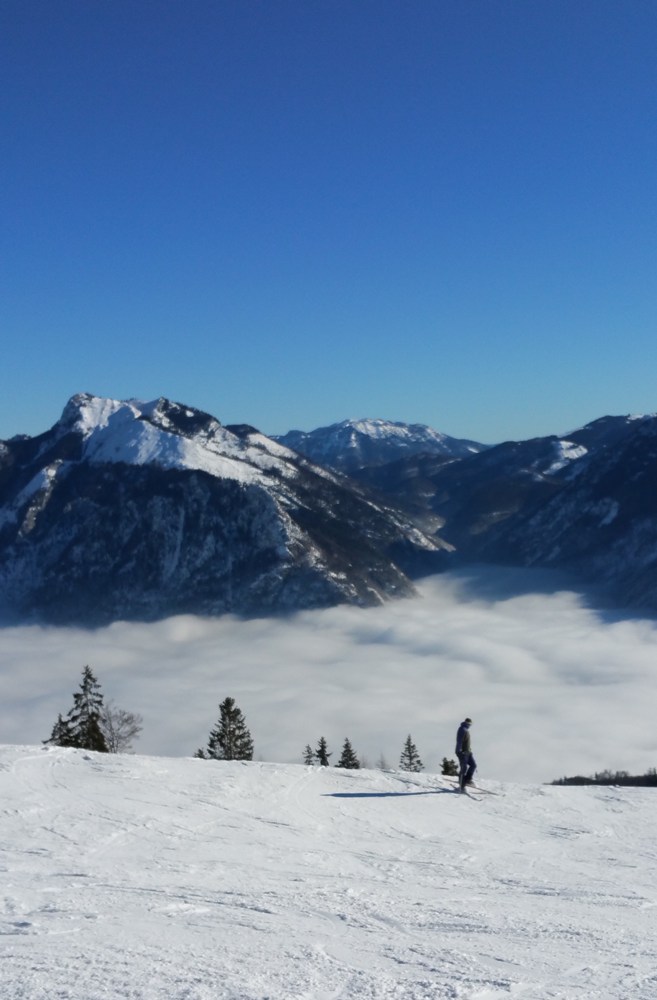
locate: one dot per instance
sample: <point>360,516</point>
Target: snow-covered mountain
<point>154,878</point>
<point>143,510</point>
<point>585,501</point>
<point>598,515</point>
<point>356,444</point>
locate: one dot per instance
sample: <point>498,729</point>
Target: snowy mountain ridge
<point>177,879</point>
<point>172,436</point>
<point>583,502</point>
<point>127,509</point>
<point>353,444</point>
<point>147,509</point>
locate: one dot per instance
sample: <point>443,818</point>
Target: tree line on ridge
<point>93,724</point>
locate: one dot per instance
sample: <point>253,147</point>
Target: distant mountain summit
<point>140,510</point>
<point>357,444</point>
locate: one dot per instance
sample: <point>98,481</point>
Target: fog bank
<point>554,685</point>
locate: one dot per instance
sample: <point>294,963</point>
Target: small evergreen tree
<point>82,726</point>
<point>230,739</point>
<point>308,755</point>
<point>321,753</point>
<point>61,735</point>
<point>382,763</point>
<point>348,758</point>
<point>410,759</point>
<point>84,717</point>
<point>450,768</point>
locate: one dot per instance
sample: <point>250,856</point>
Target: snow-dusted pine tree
<point>82,727</point>
<point>308,755</point>
<point>348,758</point>
<point>84,717</point>
<point>61,735</point>
<point>410,758</point>
<point>321,753</point>
<point>230,739</point>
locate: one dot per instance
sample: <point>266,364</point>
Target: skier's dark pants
<point>468,768</point>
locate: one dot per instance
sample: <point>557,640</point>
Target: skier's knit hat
<point>469,721</point>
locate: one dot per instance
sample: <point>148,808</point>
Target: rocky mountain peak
<point>126,509</point>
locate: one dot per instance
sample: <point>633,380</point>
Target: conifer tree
<point>308,755</point>
<point>410,759</point>
<point>322,754</point>
<point>61,735</point>
<point>348,758</point>
<point>84,717</point>
<point>450,767</point>
<point>82,726</point>
<point>230,739</point>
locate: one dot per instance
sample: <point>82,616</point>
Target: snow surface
<point>39,486</point>
<point>566,452</point>
<point>138,433</point>
<point>385,430</point>
<point>148,878</point>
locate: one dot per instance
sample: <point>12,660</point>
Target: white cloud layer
<point>554,686</point>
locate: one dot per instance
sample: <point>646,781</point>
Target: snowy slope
<point>173,437</point>
<point>161,879</point>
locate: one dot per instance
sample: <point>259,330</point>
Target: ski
<point>466,792</point>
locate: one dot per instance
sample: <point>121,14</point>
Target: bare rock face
<point>132,510</point>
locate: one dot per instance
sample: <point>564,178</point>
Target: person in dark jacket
<point>467,763</point>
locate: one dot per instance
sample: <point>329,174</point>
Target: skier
<point>468,765</point>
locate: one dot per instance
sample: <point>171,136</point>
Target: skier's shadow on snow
<point>386,795</point>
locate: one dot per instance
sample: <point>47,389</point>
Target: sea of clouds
<point>556,683</point>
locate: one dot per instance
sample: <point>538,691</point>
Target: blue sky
<point>296,211</point>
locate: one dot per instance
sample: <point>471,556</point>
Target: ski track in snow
<point>144,878</point>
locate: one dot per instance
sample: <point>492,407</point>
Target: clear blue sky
<point>290,212</point>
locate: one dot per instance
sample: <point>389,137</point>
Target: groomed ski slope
<point>181,879</point>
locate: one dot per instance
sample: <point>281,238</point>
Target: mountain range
<point>133,510</point>
<point>585,502</point>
